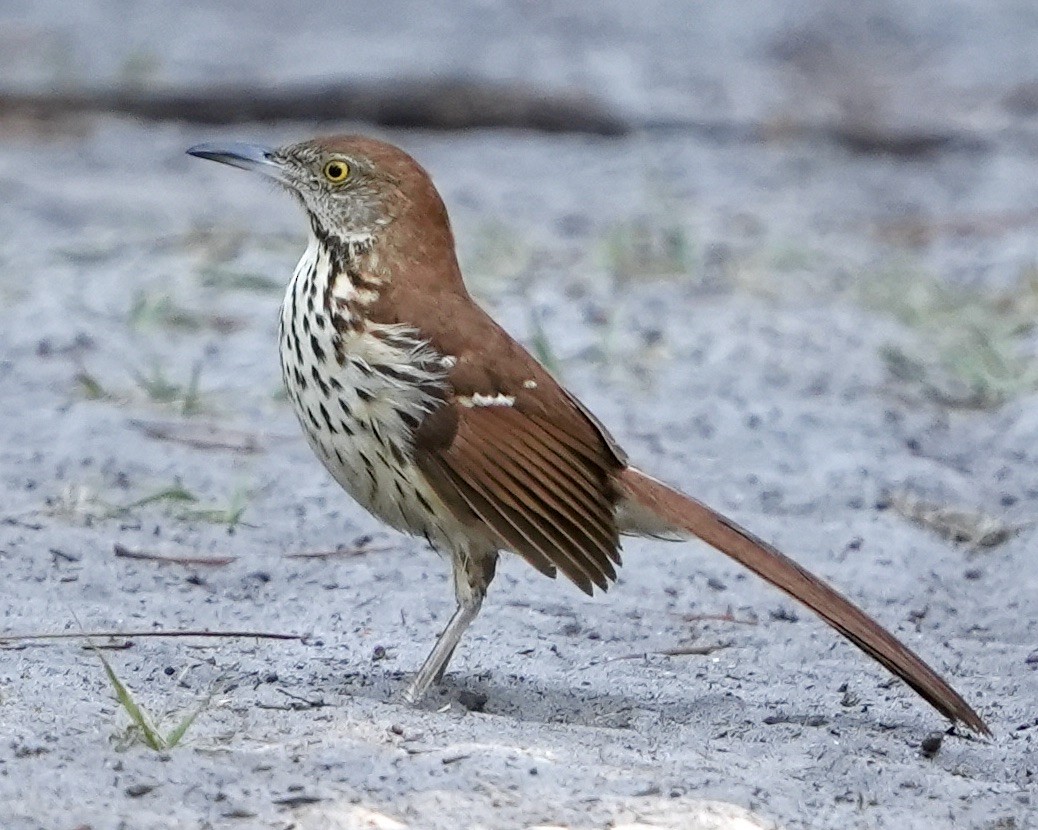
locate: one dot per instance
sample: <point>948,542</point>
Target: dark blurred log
<point>461,104</point>
<point>906,141</point>
<point>453,104</point>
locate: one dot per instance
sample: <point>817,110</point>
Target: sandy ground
<point>753,370</point>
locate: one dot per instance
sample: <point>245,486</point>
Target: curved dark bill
<point>246,156</point>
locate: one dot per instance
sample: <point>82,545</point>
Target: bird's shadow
<point>528,700</point>
<point>524,699</point>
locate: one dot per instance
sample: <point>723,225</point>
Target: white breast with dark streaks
<point>360,390</point>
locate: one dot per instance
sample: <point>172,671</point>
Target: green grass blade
<point>150,734</point>
<point>173,738</point>
<point>541,346</point>
<point>175,492</point>
<point>190,406</point>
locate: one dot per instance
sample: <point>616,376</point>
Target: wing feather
<point>452,488</point>
<point>482,472</point>
<point>586,508</point>
<point>545,496</point>
<point>540,504</point>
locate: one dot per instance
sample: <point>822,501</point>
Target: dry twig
<point>200,436</point>
<point>679,651</point>
<point>212,561</point>
<point>127,635</point>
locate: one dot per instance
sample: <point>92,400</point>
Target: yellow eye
<point>336,171</point>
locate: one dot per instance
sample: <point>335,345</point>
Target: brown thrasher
<point>440,424</point>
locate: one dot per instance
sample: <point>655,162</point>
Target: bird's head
<point>350,186</point>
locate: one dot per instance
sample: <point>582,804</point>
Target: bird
<point>442,425</point>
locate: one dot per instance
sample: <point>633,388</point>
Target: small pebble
<point>931,744</point>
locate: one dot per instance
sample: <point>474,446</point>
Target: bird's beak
<point>246,156</point>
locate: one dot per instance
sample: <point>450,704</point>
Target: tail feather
<point>650,506</point>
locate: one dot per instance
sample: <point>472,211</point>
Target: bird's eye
<point>336,171</point>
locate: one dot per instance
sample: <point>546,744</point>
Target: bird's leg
<point>436,663</point>
<point>472,576</point>
<point>446,660</point>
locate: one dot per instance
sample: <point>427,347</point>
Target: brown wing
<point>538,489</point>
<point>534,468</point>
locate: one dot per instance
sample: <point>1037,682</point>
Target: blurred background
<point>873,143</point>
<point>785,249</point>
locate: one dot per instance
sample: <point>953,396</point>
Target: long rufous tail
<point>653,507</point>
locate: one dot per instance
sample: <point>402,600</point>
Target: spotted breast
<point>360,388</point>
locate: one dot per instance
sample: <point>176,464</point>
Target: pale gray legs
<point>436,663</point>
<point>472,576</point>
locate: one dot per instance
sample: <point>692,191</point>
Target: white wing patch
<point>477,400</point>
